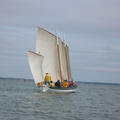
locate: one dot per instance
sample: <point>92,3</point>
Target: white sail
<point>68,63</point>
<point>35,63</point>
<point>46,44</point>
<point>56,61</point>
<point>63,60</point>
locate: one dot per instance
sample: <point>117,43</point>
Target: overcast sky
<point>91,27</point>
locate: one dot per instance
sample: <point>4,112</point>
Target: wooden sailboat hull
<point>60,90</point>
<point>51,56</point>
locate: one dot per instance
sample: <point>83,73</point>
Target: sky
<point>91,28</point>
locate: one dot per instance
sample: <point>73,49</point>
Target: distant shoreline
<point>82,82</point>
<point>99,83</point>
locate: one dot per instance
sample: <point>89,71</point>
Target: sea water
<point>21,100</point>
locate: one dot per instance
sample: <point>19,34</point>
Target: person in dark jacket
<point>58,84</point>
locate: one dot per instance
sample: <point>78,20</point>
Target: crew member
<point>65,83</point>
<point>58,84</point>
<point>52,84</point>
<point>47,78</point>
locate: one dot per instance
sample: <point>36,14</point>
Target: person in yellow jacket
<point>52,84</point>
<point>47,78</point>
<point>65,83</point>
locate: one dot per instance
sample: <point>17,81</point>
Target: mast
<point>58,49</point>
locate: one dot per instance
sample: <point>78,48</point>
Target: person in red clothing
<point>72,84</point>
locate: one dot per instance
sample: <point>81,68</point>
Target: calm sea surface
<point>21,100</point>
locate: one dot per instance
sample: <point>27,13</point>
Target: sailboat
<point>51,56</point>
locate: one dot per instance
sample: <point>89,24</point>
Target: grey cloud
<point>91,26</point>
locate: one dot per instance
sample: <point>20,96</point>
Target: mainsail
<point>46,45</point>
<point>56,57</point>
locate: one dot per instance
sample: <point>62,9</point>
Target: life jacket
<point>47,78</point>
<point>65,84</point>
<point>39,84</point>
<point>52,85</point>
